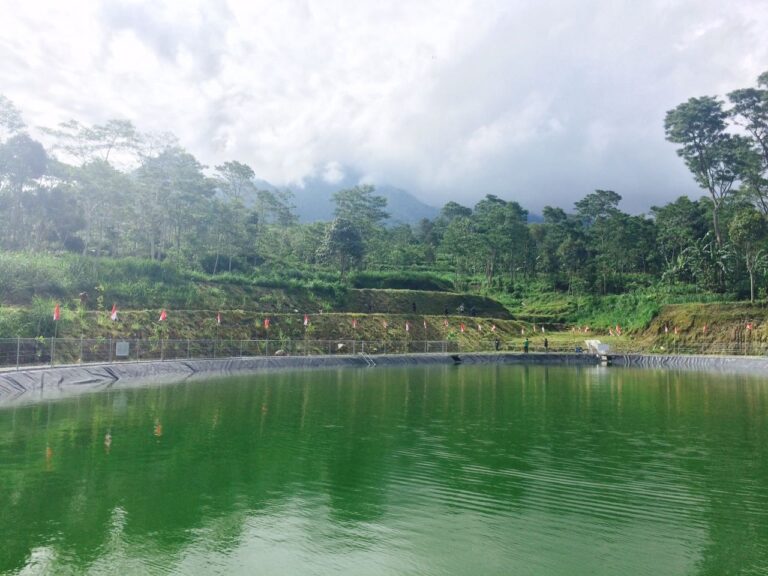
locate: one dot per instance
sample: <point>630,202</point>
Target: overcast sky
<point>539,101</point>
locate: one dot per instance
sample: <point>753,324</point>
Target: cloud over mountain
<point>538,102</point>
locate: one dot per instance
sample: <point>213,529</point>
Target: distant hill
<point>314,204</point>
<point>313,200</point>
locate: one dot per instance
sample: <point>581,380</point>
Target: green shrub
<point>402,280</point>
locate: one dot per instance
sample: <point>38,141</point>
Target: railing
<point>30,352</point>
<point>740,348</point>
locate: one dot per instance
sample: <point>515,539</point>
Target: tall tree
<point>604,224</point>
<point>750,112</point>
<point>460,245</point>
<point>715,158</point>
<point>362,207</point>
<point>342,245</point>
<point>235,181</point>
<point>11,121</point>
<point>503,232</point>
<point>173,203</point>
<point>98,142</point>
<point>748,231</point>
<point>549,235</point>
<point>23,161</point>
<point>105,195</point>
<point>679,225</point>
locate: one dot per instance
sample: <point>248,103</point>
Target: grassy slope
<point>427,302</point>
<point>30,283</point>
<point>726,326</point>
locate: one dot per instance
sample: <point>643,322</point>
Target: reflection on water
<point>434,470</point>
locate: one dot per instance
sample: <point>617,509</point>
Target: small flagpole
<point>53,344</point>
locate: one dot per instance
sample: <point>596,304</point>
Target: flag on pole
<point>522,331</point>
<point>354,323</point>
<point>618,330</point>
<point>218,318</point>
<point>493,327</point>
<point>542,329</point>
<point>676,330</point>
<point>56,313</point>
<point>462,327</point>
<point>479,327</point>
<point>266,323</point>
<point>445,322</point>
<point>704,329</point>
<point>163,315</point>
<point>749,326</point>
<point>425,324</point>
<point>666,329</point>
<point>407,326</point>
<point>386,325</point>
<point>113,314</point>
<point>306,320</point>
<point>610,331</point>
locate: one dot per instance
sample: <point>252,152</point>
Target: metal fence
<point>26,352</point>
<point>30,352</point>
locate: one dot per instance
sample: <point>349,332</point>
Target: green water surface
<point>429,470</point>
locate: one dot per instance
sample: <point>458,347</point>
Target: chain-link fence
<point>26,352</point>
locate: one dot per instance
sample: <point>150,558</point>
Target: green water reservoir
<point>466,470</point>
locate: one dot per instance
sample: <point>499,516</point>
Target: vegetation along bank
<point>96,217</point>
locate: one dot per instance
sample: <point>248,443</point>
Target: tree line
<point>109,190</point>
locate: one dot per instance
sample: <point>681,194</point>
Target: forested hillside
<point>178,232</point>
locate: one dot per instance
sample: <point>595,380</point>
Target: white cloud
<point>333,173</point>
<point>540,102</point>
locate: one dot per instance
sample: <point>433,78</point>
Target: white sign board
<point>122,349</point>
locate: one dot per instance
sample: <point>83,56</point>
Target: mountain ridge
<point>314,200</point>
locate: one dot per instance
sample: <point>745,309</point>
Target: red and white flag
<point>113,314</point>
<point>354,322</point>
<point>306,320</point>
<point>163,316</point>
<point>266,323</point>
<point>493,327</point>
<point>704,329</point>
<point>56,313</point>
<point>445,322</point>
<point>462,327</point>
<point>618,330</point>
<point>749,326</point>
<point>218,318</point>
<point>610,331</point>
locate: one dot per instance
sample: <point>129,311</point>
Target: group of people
<point>526,345</point>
